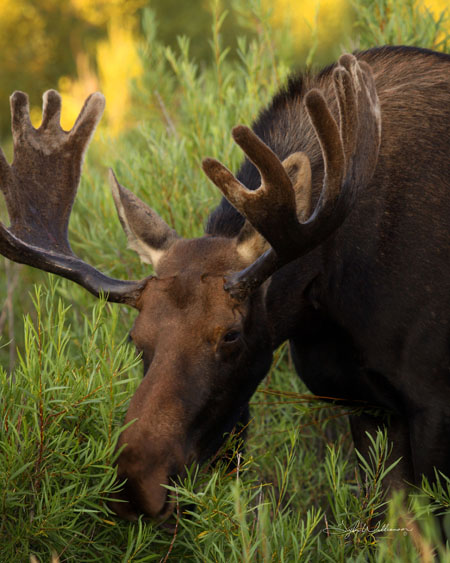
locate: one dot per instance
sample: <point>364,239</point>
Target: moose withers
<point>337,239</point>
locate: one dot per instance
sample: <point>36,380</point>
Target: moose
<point>333,235</point>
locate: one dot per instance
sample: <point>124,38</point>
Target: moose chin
<point>334,235</point>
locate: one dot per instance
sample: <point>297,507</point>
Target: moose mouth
<point>131,504</point>
<point>149,497</point>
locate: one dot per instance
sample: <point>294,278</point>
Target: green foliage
<point>409,22</point>
<point>194,20</point>
<point>187,115</point>
<point>59,431</point>
<point>294,493</point>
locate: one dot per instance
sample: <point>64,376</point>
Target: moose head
<point>202,327</point>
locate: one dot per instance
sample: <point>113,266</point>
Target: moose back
<point>334,235</point>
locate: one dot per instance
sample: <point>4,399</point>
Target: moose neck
<point>290,292</point>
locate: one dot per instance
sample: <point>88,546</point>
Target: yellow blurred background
<point>79,46</point>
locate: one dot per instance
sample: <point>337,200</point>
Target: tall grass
<point>294,494</point>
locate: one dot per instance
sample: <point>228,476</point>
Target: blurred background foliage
<point>79,46</point>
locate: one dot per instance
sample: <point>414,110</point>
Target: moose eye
<point>231,336</point>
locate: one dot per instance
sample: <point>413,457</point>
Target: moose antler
<point>40,187</point>
<point>350,153</point>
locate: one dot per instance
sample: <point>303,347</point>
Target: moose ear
<point>147,233</point>
<point>250,244</point>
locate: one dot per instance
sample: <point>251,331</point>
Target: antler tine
<point>51,110</point>
<point>232,189</point>
<point>20,115</point>
<point>40,187</point>
<point>274,202</point>
<point>87,121</point>
<point>330,141</point>
<point>347,103</point>
<point>369,130</point>
<point>273,174</point>
<point>350,152</point>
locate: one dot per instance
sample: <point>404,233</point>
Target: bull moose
<point>333,235</point>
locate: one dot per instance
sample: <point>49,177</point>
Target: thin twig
<point>327,529</point>
<point>238,466</point>
<point>170,124</point>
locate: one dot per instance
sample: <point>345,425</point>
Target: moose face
<point>204,354</point>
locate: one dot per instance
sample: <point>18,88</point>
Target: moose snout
<point>143,494</point>
<point>145,466</point>
<point>148,498</point>
<point>154,449</point>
